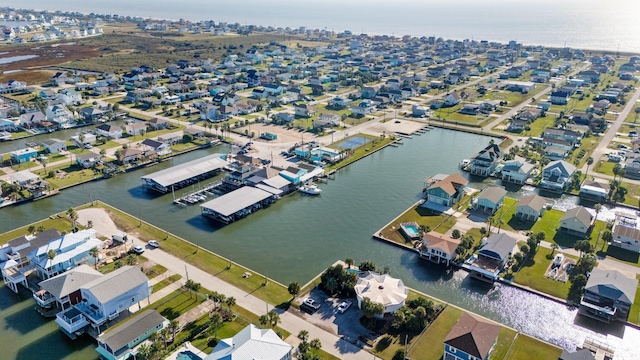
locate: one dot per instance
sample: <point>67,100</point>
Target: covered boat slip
<point>237,204</point>
<point>185,174</point>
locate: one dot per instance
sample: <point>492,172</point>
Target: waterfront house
<point>103,299</point>
<point>129,156</point>
<point>150,147</point>
<point>58,114</point>
<point>491,258</point>
<point>471,338</point>
<point>31,252</point>
<point>485,161</point>
<point>576,221</point>
<point>626,233</point>
<point>88,160</point>
<point>490,199</point>
<point>63,290</point>
<point>443,194</point>
<point>594,191</point>
<point>438,248</point>
<point>157,124</point>
<point>252,343</point>
<point>517,170</point>
<point>135,129</point>
<point>530,207</point>
<point>54,146</point>
<point>91,113</point>
<point>608,296</point>
<point>23,155</point>
<point>109,131</point>
<point>120,342</point>
<point>557,175</point>
<point>582,354</point>
<point>83,140</point>
<point>32,118</point>
<point>382,289</point>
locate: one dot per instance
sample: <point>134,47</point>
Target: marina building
<point>184,174</point>
<point>237,204</point>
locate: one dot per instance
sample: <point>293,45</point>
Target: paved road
<point>331,343</point>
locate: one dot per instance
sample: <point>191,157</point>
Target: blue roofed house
<point>471,338</point>
<point>104,299</point>
<point>608,296</point>
<point>490,199</point>
<point>121,342</point>
<point>485,161</point>
<point>23,155</point>
<point>557,175</point>
<point>252,343</point>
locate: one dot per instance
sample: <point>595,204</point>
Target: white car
<point>137,249</point>
<point>154,244</point>
<point>344,306</point>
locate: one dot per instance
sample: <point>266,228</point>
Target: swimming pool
<point>187,355</point>
<point>411,230</point>
<point>353,271</point>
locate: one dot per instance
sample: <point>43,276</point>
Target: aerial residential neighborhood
<point>181,189</point>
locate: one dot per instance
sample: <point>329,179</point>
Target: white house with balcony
<point>104,299</point>
<point>33,254</point>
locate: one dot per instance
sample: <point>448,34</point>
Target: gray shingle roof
<point>66,283</point>
<point>612,285</point>
<point>116,283</point>
<point>125,333</point>
<point>498,245</point>
<point>580,213</point>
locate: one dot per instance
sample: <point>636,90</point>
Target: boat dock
<point>184,174</point>
<point>239,203</point>
<point>199,195</point>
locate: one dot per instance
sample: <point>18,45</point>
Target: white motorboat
<point>310,189</point>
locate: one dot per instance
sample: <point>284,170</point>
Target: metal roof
<point>132,329</point>
<point>116,283</point>
<point>175,174</point>
<point>237,200</point>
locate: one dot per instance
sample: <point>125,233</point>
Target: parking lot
<point>347,324</point>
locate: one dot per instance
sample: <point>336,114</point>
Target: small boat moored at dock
<point>310,189</point>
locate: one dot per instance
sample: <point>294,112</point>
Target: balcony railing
<point>71,320</point>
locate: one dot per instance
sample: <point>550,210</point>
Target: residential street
<point>331,343</point>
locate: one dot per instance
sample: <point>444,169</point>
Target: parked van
<point>120,237</point>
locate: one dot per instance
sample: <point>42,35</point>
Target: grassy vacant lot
<point>525,348</point>
<point>213,264</point>
<point>437,222</point>
<point>360,152</point>
<point>74,175</point>
<point>550,223</point>
<point>56,221</point>
<point>532,275</point>
<point>634,313</point>
<point>429,345</point>
<point>176,304</point>
<point>606,168</point>
<point>505,339</point>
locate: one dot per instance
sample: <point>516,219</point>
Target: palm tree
<point>215,320</point>
<point>349,262</point>
<point>94,252</point>
<point>189,286</point>
<point>90,224</point>
<point>51,254</point>
<point>132,259</point>
<point>597,208</point>
<point>315,344</point>
<point>294,289</point>
<point>73,216</point>
<point>174,325</point>
<point>231,301</point>
<point>40,229</point>
<point>303,335</point>
<point>31,229</point>
<point>589,162</point>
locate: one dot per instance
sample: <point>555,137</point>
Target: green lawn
<point>74,174</point>
<point>421,216</point>
<point>537,127</point>
<point>526,348</point>
<point>155,270</point>
<point>176,304</point>
<point>429,345</point>
<point>165,282</point>
<point>506,212</point>
<point>550,223</point>
<point>634,312</point>
<point>606,168</point>
<point>532,275</point>
<point>505,339</point>
<point>273,293</point>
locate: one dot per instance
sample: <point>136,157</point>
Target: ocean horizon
<point>587,24</point>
